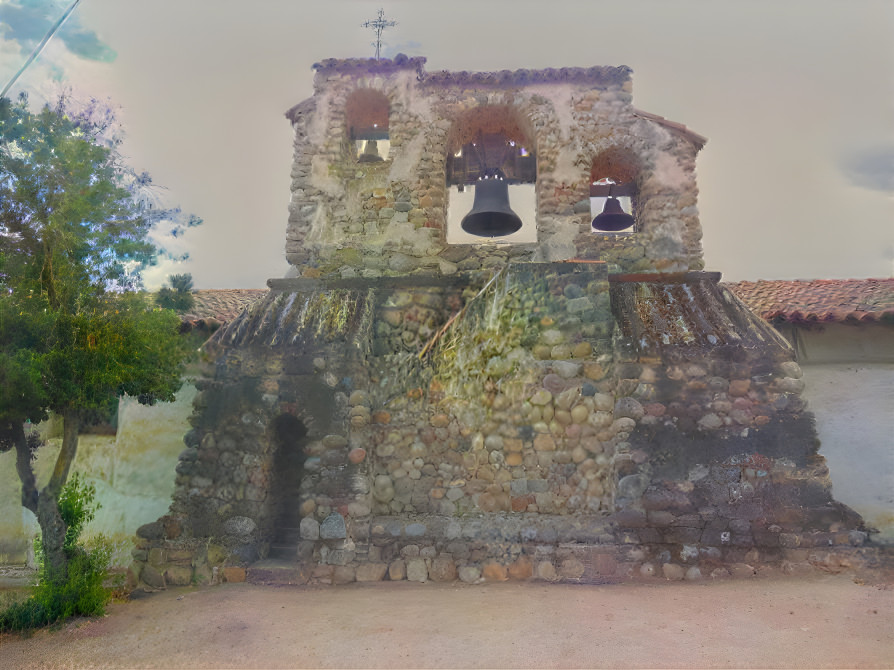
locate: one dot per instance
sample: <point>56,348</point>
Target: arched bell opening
<point>491,171</point>
<point>613,192</point>
<point>366,115</point>
<point>289,440</point>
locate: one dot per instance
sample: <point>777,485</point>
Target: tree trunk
<point>52,527</point>
<point>23,467</point>
<point>52,534</point>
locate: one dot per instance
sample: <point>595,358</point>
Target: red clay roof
<point>694,137</point>
<point>224,304</point>
<point>779,301</point>
<point>399,62</point>
<point>600,74</point>
<point>819,300</point>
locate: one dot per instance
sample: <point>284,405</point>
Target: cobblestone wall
<point>374,219</point>
<point>507,428</point>
<point>584,407</point>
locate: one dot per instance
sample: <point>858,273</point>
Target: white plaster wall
<point>13,543</point>
<point>845,343</point>
<point>854,408</point>
<point>133,473</point>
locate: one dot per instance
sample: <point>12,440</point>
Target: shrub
<point>79,592</point>
<point>77,507</point>
<point>179,296</point>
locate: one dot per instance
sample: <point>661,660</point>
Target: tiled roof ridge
<point>303,107</point>
<point>399,62</point>
<point>700,140</point>
<point>600,74</point>
<point>605,74</point>
<point>819,300</point>
<point>223,304</point>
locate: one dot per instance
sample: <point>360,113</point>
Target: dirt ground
<point>827,622</point>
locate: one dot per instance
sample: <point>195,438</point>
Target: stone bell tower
<point>556,131</point>
<point>568,401</point>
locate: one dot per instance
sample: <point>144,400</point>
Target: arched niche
<point>488,138</point>
<point>366,115</point>
<point>615,172</point>
<point>482,142</point>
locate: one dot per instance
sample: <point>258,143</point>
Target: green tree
<point>74,333</point>
<point>181,283</point>
<point>178,296</point>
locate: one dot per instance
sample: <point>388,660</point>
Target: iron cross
<point>378,24</point>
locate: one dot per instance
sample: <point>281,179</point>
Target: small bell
<point>613,218</point>
<point>491,215</point>
<point>370,153</point>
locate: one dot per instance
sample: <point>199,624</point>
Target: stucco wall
<point>133,472</point>
<point>849,375</point>
<point>854,408</point>
<point>842,343</point>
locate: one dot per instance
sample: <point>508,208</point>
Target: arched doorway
<point>289,435</point>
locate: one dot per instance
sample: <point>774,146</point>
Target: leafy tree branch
<point>74,332</point>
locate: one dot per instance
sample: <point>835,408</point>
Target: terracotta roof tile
<point>600,75</point>
<point>223,304</point>
<point>672,125</point>
<point>819,300</point>
<point>302,108</point>
<point>399,62</point>
<point>796,301</point>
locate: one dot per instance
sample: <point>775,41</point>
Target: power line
<point>39,47</point>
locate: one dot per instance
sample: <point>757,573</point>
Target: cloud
<point>27,21</point>
<point>871,168</point>
<point>409,48</point>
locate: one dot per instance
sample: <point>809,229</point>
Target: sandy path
<point>816,623</point>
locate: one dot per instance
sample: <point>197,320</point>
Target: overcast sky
<point>795,97</point>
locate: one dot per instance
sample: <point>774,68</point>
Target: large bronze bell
<point>613,217</point>
<point>491,215</point>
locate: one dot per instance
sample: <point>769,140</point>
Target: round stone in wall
<point>710,422</point>
<point>628,407</point>
<point>417,571</point>
<point>401,263</point>
<point>566,369</point>
<point>333,527</point>
<point>335,441</point>
<point>415,530</point>
<point>310,529</point>
<point>552,337</point>
<point>573,291</point>
<point>239,525</point>
<point>632,486</point>
<point>791,369</point>
<point>469,574</point>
